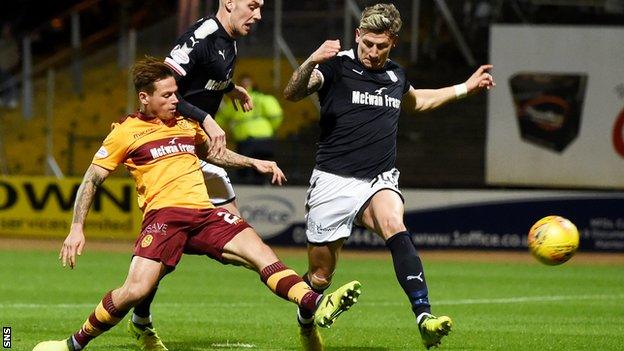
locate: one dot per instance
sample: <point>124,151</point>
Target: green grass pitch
<point>206,306</point>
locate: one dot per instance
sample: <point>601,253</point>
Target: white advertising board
<point>556,116</point>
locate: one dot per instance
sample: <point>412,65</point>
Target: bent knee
<point>391,225</point>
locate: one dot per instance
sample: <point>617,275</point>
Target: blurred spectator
<point>252,131</point>
<point>9,59</point>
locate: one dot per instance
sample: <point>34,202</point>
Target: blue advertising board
<point>453,219</point>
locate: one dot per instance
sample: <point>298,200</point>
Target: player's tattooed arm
<point>305,80</point>
<point>231,159</point>
<point>75,240</point>
<point>93,178</point>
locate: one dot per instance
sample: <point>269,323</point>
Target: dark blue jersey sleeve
<point>331,71</point>
<point>183,59</point>
<point>407,84</point>
<point>192,48</point>
<point>189,110</point>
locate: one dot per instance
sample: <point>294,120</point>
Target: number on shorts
<point>386,178</point>
<point>228,217</point>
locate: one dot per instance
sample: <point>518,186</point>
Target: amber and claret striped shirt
<point>161,158</point>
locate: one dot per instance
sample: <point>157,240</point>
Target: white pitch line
<point>522,299</point>
<point>490,301</point>
<point>237,344</point>
<point>93,304</point>
<point>519,299</point>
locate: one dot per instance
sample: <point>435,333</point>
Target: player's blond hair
<point>381,18</point>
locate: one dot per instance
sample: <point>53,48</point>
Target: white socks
<point>421,316</point>
<point>141,320</point>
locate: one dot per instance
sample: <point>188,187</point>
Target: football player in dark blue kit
<point>355,181</point>
<point>203,59</point>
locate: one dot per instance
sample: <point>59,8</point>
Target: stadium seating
<point>80,122</point>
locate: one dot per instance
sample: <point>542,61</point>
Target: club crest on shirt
<point>147,241</point>
<point>184,124</point>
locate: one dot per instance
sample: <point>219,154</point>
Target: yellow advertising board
<point>43,207</point>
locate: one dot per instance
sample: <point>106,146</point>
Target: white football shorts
<point>218,184</point>
<point>334,202</point>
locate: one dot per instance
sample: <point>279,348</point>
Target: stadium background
<point>83,105</point>
<point>73,82</point>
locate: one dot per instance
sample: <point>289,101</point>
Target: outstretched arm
<point>428,99</point>
<point>231,159</point>
<point>74,243</point>
<point>305,80</point>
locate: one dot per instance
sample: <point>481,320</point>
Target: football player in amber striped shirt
<point>160,150</point>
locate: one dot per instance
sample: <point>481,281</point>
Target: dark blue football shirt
<point>204,59</point>
<point>360,111</point>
